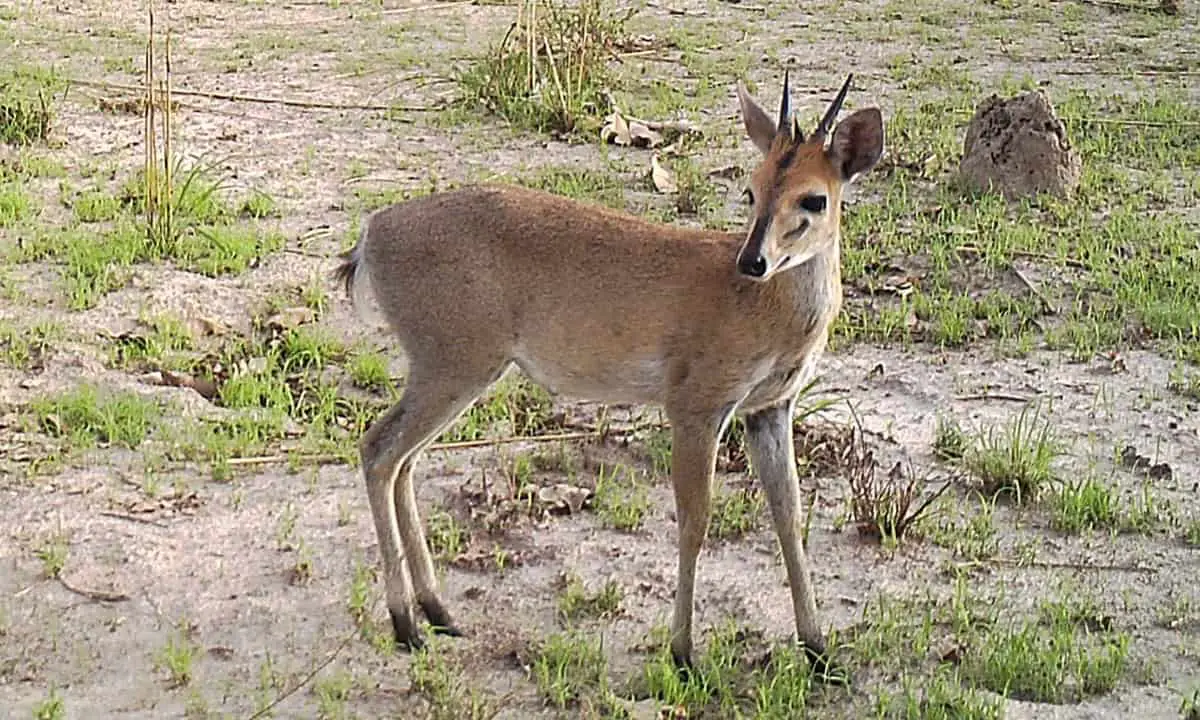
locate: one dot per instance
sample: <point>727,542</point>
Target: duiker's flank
<point>601,305</point>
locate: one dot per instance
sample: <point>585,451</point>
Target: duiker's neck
<point>818,282</point>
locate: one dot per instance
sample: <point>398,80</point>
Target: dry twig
<point>133,518</point>
<point>265,711</point>
<point>97,595</point>
<point>487,442</point>
<point>994,396</point>
<point>261,99</point>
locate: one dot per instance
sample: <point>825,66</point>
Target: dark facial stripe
<point>754,241</point>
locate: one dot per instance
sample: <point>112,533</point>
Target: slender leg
<point>773,456</point>
<point>380,479</point>
<point>430,402</point>
<point>416,552</point>
<point>693,461</point>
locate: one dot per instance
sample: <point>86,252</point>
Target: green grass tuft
<point>621,501</point>
<point>89,414</point>
<point>1016,460</point>
<point>551,76</point>
<point>1085,504</point>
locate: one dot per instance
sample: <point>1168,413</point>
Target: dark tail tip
<point>345,272</point>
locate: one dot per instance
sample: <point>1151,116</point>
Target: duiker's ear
<point>857,143</point>
<point>759,125</point>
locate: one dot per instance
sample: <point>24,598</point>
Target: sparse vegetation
<point>514,406</point>
<point>735,513</point>
<point>446,536</point>
<point>439,679</point>
<point>735,676</point>
<point>621,500</point>
<point>178,657</point>
<point>949,440</point>
<point>369,370</point>
<point>1084,505</point>
<point>1189,707</point>
<point>1191,534</point>
<point>26,112</point>
<point>53,554</point>
<point>576,602</point>
<point>886,509</point>
<point>570,670</point>
<point>52,708</point>
<point>1017,459</point>
<point>27,348</point>
<point>550,73</point>
<point>15,204</point>
<point>87,415</point>
<point>1055,661</point>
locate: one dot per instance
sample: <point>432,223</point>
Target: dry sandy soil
<point>149,582</point>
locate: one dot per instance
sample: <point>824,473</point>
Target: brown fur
<point>599,304</point>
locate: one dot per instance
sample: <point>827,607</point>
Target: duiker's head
<point>796,193</point>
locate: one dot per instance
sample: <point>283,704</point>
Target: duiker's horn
<point>785,107</point>
<point>834,108</point>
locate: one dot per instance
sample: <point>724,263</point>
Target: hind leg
<point>433,398</point>
<point>416,552</point>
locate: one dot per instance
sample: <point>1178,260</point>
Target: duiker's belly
<point>610,379</point>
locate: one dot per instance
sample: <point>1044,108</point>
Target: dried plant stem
<point>562,95</point>
<point>168,186</point>
<point>461,445</point>
<point>266,710</point>
<point>150,140</point>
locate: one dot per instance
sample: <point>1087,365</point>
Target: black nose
<point>754,267</point>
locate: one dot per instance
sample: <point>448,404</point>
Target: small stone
<point>1018,147</point>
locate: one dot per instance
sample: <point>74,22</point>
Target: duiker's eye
<point>813,203</point>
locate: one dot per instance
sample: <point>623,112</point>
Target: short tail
<point>347,272</point>
<point>351,274</point>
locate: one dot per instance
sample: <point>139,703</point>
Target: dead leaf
<point>206,388</point>
<point>209,326</point>
<point>254,366</point>
<point>562,497</point>
<point>289,318</point>
<point>663,180</point>
<point>950,651</point>
<point>729,172</point>
<point>643,136</point>
<point>615,130</point>
<point>630,132</point>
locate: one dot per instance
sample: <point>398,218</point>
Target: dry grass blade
<point>886,508</point>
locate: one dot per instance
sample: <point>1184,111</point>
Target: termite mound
<point>1018,147</point>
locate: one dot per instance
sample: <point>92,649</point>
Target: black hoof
<point>824,669</point>
<point>440,620</point>
<point>684,667</point>
<point>408,635</point>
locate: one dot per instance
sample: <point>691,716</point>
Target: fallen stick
<point>261,99</point>
<point>421,8</point>
<point>133,518</point>
<point>1061,565</point>
<point>1070,262</point>
<point>265,711</point>
<point>97,595</point>
<point>462,444</point>
<point>1049,306</point>
<point>993,396</point>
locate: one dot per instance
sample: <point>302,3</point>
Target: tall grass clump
<point>550,71</point>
